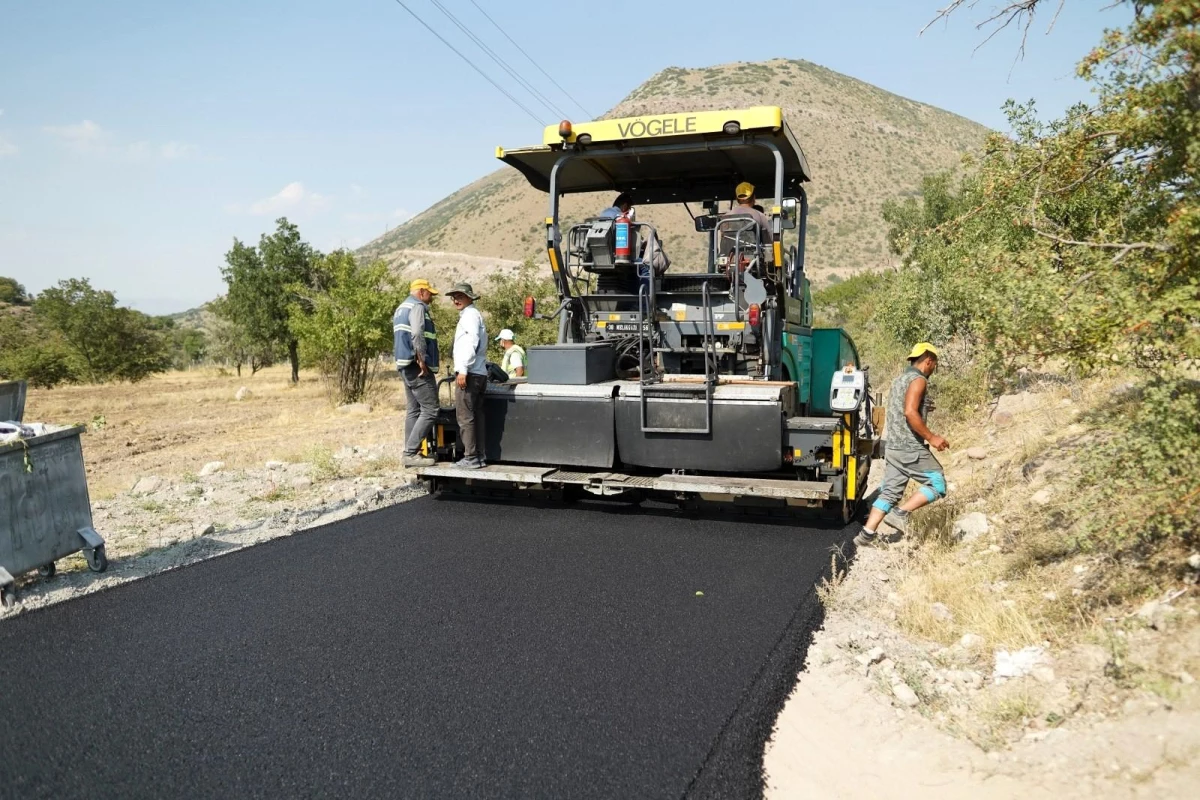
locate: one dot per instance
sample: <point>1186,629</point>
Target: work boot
<point>866,538</point>
<point>418,460</point>
<point>898,519</point>
<point>473,462</point>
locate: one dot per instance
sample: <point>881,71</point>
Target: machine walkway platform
<point>605,482</point>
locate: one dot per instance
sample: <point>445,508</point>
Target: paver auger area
<point>431,649</point>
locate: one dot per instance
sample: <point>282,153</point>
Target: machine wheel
<point>48,571</point>
<point>8,598</point>
<point>97,561</point>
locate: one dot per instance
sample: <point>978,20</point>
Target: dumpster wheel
<point>48,571</point>
<point>97,561</point>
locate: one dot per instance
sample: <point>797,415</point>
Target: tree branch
<point>1123,247</point>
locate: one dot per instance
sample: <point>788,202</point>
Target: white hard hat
<point>505,334</point>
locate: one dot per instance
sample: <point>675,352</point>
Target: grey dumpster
<point>12,400</point>
<point>45,512</point>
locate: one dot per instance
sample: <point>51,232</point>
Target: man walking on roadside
<point>416,351</point>
<point>513,362</point>
<point>470,375</point>
<point>908,456</point>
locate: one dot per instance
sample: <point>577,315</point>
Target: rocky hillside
<point>864,145</point>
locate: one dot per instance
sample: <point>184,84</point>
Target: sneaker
<point>419,461</point>
<point>898,519</point>
<point>866,539</point>
<point>470,463</point>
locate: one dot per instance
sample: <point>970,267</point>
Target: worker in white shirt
<point>513,362</point>
<point>470,375</point>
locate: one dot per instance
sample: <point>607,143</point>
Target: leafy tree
<point>345,326</point>
<point>189,346</point>
<point>44,365</point>
<point>503,303</point>
<point>265,283</point>
<point>1078,240</point>
<point>230,343</point>
<point>12,292</point>
<point>108,342</point>
<point>29,352</point>
<point>1079,237</point>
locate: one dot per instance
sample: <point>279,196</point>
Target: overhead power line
<point>470,63</point>
<point>531,61</point>
<point>504,65</point>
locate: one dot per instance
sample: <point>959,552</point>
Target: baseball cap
<point>421,283</point>
<point>505,334</point>
<point>920,349</point>
<point>744,190</point>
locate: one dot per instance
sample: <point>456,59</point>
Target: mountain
<point>863,144</point>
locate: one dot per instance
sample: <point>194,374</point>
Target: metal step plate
<point>745,487</point>
<point>509,473</point>
<point>691,484</point>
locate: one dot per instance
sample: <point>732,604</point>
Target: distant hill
<point>863,144</point>
<point>200,318</point>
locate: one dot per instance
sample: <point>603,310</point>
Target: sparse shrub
<point>324,465</point>
<point>344,327</point>
<point>1144,470</point>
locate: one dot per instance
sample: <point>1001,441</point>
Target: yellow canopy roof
<point>685,157</point>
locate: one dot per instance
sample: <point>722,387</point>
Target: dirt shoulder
<point>950,664</point>
<point>181,470</point>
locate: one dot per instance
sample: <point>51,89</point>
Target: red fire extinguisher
<point>623,235</point>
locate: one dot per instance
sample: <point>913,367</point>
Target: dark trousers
<point>421,400</point>
<point>468,403</point>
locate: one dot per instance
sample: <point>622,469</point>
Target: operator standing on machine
<point>908,456</point>
<point>470,375</point>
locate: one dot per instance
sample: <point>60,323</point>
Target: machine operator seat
<point>740,237</point>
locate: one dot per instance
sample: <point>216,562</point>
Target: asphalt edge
<point>733,766</point>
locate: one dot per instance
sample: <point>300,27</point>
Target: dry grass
<point>1014,586</point>
<point>1005,617</point>
<point>998,714</point>
<point>827,589</point>
<point>172,424</point>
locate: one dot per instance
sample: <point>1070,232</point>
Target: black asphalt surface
<point>432,649</point>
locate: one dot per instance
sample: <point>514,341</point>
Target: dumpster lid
<point>12,401</point>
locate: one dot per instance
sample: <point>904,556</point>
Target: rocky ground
<point>938,673</point>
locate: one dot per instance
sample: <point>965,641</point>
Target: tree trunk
<point>294,357</point>
<point>239,369</point>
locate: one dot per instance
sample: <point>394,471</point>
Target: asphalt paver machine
<point>697,383</point>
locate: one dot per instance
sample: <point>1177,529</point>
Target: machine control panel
<point>848,390</point>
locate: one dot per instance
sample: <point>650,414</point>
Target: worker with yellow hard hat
<point>908,455</point>
<point>747,207</point>
<point>416,351</point>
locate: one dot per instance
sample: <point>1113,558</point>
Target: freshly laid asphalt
<point>432,649</point>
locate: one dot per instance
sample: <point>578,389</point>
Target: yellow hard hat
<point>421,283</point>
<point>744,190</point>
<point>920,349</point>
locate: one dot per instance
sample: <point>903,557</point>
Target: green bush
<point>42,365</point>
<point>1140,480</point>
<point>344,327</point>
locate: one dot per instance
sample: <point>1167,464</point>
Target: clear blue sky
<point>138,137</point>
